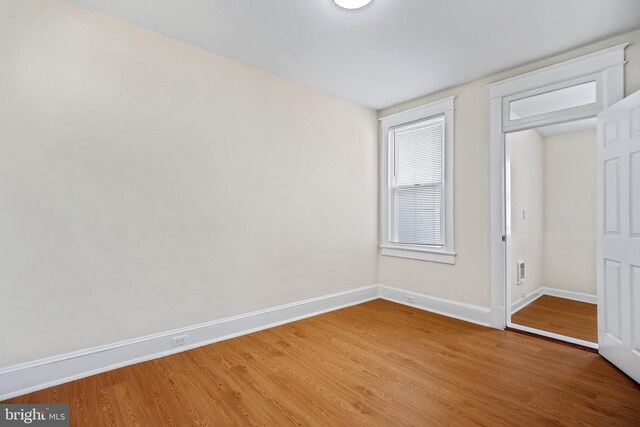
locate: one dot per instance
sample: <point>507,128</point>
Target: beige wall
<point>469,279</point>
<point>146,184</point>
<point>570,212</point>
<point>554,180</point>
<point>526,158</point>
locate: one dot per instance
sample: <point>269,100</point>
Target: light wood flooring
<point>374,364</point>
<point>560,315</point>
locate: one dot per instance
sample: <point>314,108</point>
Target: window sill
<point>418,253</point>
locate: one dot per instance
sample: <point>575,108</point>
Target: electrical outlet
<point>411,299</point>
<point>178,341</point>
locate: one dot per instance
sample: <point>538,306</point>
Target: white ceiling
<point>391,50</point>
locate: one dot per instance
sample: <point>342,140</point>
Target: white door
<point>618,228</point>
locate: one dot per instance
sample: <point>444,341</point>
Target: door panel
<point>610,133</point>
<point>634,172</point>
<point>612,196</point>
<point>612,298</point>
<point>635,311</point>
<point>618,234</point>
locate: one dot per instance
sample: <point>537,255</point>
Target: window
<point>560,102</point>
<point>417,183</point>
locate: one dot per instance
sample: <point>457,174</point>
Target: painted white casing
<point>606,68</point>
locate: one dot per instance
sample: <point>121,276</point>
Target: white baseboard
<point>523,302</point>
<point>458,310</point>
<point>28,377</point>
<point>576,296</point>
<point>497,317</point>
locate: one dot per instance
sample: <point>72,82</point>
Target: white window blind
<point>418,183</point>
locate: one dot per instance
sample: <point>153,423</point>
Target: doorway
<point>565,93</point>
<point>550,213</point>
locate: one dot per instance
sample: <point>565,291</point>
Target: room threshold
<point>549,336</point>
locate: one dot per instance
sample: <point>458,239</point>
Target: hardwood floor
<point>375,364</point>
<point>560,315</point>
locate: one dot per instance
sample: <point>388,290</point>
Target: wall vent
<point>520,272</point>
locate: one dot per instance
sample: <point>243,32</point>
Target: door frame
<point>606,68</point>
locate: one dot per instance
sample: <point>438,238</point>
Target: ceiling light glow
<point>352,4</point>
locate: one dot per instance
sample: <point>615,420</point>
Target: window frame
<point>442,254</point>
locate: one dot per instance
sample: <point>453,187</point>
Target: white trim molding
<point>583,65</point>
<point>444,254</point>
<point>28,377</point>
<point>420,254</point>
<point>419,112</point>
<point>606,68</point>
<point>458,310</point>
<point>523,302</point>
<point>552,292</point>
<point>575,296</point>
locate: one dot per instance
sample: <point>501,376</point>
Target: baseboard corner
<point>450,308</point>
